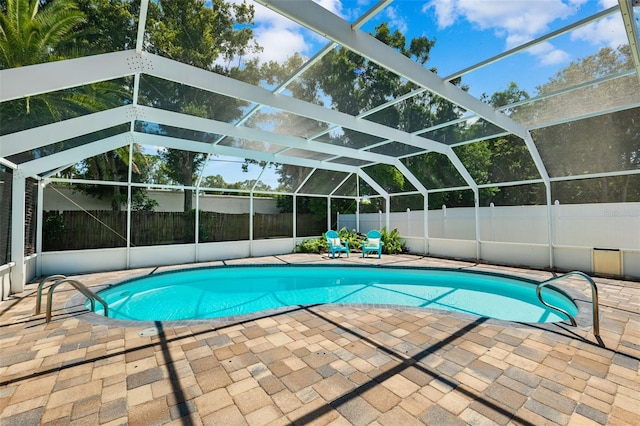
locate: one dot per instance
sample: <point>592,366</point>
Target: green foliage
<point>315,245</point>
<point>391,240</point>
<point>355,240</point>
<point>30,35</point>
<point>392,243</point>
<point>110,26</point>
<point>140,201</point>
<point>200,34</point>
<point>314,205</point>
<point>54,228</point>
<point>218,182</point>
<point>190,224</point>
<point>598,144</point>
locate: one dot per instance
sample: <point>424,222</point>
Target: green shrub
<point>355,240</point>
<point>392,242</point>
<point>317,245</point>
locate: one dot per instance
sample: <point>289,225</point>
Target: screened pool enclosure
<point>156,135</point>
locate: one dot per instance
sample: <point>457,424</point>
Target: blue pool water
<point>225,291</point>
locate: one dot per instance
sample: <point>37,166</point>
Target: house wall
<point>63,198</point>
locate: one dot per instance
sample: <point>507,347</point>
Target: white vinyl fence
<point>595,238</point>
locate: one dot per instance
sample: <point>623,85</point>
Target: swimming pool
<point>217,292</point>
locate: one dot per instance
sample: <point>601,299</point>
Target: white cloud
<point>518,19</point>
<point>395,21</point>
<point>280,37</point>
<point>446,12</point>
<point>279,43</point>
<point>334,6</point>
<point>608,31</point>
<point>608,3</point>
<point>547,54</point>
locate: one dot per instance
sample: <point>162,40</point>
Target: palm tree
<point>31,36</point>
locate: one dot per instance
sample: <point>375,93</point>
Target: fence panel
<point>78,230</point>
<point>272,225</point>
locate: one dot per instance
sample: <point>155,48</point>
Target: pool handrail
<point>82,289</point>
<point>41,287</point>
<point>594,299</point>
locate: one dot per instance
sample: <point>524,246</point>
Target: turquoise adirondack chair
<point>373,243</point>
<point>335,244</point>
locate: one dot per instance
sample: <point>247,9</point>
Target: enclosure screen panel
<point>600,144</point>
<point>47,108</point>
<point>434,171</point>
<point>68,144</point>
<point>181,98</point>
<point>286,123</point>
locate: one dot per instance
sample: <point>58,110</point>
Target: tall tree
<point>207,35</point>
<point>508,159</point>
<point>109,26</point>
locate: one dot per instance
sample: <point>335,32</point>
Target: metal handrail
<point>41,287</point>
<point>82,289</point>
<point>594,299</point>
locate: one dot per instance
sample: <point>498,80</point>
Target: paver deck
<point>321,365</point>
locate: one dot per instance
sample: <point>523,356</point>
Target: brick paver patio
<point>321,365</point>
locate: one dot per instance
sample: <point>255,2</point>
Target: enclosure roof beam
<point>38,137</point>
<point>175,71</point>
<point>373,184</point>
<point>8,163</point>
<point>626,8</point>
<point>73,155</point>
<point>52,76</point>
<point>49,77</point>
<point>411,177</point>
<point>207,148</point>
<point>52,133</point>
<point>322,21</point>
<point>212,126</point>
<point>455,160</point>
<point>142,23</point>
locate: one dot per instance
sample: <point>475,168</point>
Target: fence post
<point>295,219</point>
<point>251,213</point>
<point>408,221</point>
<point>444,221</point>
<point>39,222</point>
<point>425,224</point>
<point>554,224</point>
<point>196,222</point>
<point>493,229</point>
